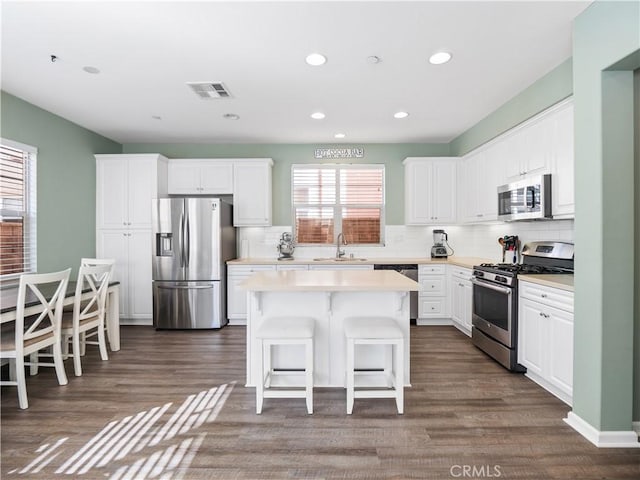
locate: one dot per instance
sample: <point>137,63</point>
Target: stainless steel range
<point>495,297</point>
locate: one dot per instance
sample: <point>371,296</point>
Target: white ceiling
<point>147,51</point>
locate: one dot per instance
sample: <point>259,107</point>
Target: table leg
<point>113,318</point>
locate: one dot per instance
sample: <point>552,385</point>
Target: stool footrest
<point>375,394</point>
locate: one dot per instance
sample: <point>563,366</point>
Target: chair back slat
<point>96,280</point>
<point>49,320</point>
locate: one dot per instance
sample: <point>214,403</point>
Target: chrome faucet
<point>340,253</point>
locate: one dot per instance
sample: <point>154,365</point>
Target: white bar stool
<point>284,331</point>
<point>376,331</point>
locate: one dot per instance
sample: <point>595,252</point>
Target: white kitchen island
<point>329,296</point>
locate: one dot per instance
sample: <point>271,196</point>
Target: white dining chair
<point>88,314</point>
<point>36,332</point>
<point>89,262</point>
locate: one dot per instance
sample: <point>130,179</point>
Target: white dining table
<point>9,300</point>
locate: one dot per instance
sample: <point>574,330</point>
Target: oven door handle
<point>497,288</point>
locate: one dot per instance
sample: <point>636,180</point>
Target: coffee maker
<point>440,244</point>
<point>286,247</point>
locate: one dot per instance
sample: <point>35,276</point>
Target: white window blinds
<point>17,209</point>
<point>329,199</point>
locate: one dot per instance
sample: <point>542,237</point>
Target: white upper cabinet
<point>200,177</point>
<point>430,190</point>
<point>481,173</point>
<point>125,186</point>
<point>530,148</point>
<point>252,192</point>
<point>562,167</point>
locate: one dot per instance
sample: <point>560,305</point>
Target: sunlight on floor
<point>148,435</point>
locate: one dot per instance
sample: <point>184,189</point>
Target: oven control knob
<point>500,279</point>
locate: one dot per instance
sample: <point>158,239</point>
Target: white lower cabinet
<point>433,302</point>
<point>131,250</point>
<point>461,298</point>
<point>545,337</point>
<point>237,296</point>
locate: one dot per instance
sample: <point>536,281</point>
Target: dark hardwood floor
<point>173,405</point>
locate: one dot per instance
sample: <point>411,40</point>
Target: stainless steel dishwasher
<point>408,270</point>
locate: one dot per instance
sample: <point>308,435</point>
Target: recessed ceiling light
<point>231,116</point>
<point>373,59</point>
<point>440,58</point>
<point>92,70</point>
<point>316,59</point>
<point>339,135</point>
<point>317,115</point>
<point>401,115</point>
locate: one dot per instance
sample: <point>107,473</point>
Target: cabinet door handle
<point>543,295</point>
<point>545,315</point>
<point>461,284</point>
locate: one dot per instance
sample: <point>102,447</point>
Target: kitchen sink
<point>342,259</point>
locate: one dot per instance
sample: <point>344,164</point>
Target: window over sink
<point>17,209</point>
<point>331,199</point>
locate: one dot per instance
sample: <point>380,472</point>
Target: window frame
<point>29,214</point>
<point>337,207</point>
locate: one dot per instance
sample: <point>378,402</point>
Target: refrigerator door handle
<point>185,287</point>
<point>187,242</point>
<point>181,237</point>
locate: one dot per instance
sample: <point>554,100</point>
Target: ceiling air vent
<point>209,90</point>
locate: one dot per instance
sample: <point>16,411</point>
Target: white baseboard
<point>433,321</point>
<point>606,439</point>
<point>137,321</point>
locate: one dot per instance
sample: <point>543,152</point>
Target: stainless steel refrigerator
<point>193,238</point>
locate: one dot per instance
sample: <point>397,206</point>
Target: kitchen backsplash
<point>409,241</point>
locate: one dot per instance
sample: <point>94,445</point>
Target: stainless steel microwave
<point>528,199</point>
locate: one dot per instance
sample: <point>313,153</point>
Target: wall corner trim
<point>611,439</point>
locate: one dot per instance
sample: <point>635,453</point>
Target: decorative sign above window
<point>339,152</point>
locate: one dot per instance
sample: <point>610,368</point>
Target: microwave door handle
<point>531,204</point>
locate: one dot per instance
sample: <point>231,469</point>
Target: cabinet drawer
<point>553,297</point>
<point>431,269</point>
<point>431,307</point>
<point>239,270</point>
<point>461,272</point>
<point>432,286</point>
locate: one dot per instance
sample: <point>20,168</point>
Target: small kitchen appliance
<point>286,247</point>
<point>441,246</point>
<point>495,298</point>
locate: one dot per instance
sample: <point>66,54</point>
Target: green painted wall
<point>604,34</point>
<point>284,156</point>
<point>66,175</point>
<point>548,90</point>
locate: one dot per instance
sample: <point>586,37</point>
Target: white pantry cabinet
<point>200,176</point>
<point>430,190</point>
<point>237,296</point>
<point>252,192</point>
<point>461,298</point>
<point>125,186</point>
<point>545,337</point>
<point>131,250</point>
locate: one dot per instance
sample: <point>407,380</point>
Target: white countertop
<point>467,262</point>
<point>329,281</point>
<point>563,282</point>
